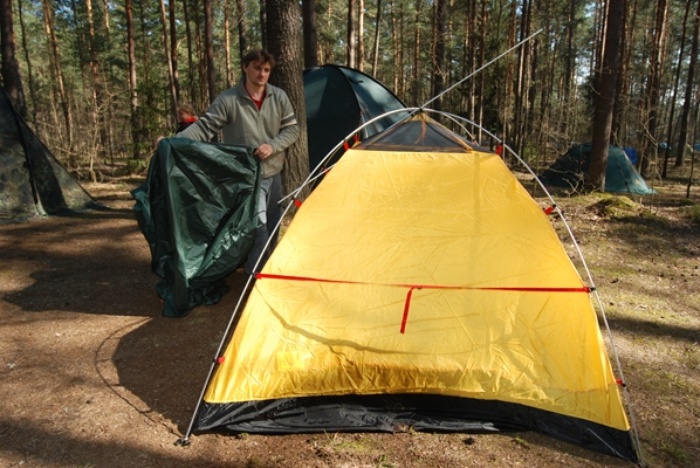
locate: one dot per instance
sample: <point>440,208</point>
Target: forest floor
<point>92,375</point>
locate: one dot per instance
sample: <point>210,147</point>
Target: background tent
<point>620,175</point>
<point>32,181</point>
<point>419,286</point>
<point>197,210</point>
<point>339,100</point>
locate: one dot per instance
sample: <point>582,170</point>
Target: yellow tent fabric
<point>421,273</point>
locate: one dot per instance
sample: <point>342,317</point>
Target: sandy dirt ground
<point>92,375</point>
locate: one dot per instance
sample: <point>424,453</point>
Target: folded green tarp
<point>197,210</point>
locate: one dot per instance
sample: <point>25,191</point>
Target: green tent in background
<point>32,181</point>
<point>197,210</point>
<point>620,175</point>
<point>339,100</point>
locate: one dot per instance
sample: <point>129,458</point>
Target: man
<point>259,115</point>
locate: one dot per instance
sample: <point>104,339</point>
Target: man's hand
<point>263,151</point>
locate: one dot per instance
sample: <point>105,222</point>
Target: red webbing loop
<point>406,307</point>
<point>412,287</point>
<point>297,202</point>
<point>549,209</point>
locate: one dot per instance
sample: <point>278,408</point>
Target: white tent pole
<point>486,65</point>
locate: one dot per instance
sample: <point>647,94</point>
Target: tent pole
<point>486,65</point>
<point>185,439</point>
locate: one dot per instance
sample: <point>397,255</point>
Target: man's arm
<point>289,128</point>
<point>208,126</point>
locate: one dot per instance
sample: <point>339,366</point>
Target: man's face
<point>257,73</point>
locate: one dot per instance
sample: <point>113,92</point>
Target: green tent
<point>197,210</point>
<point>32,181</point>
<point>339,100</point>
<point>620,175</point>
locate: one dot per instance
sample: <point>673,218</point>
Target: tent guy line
<point>412,287</point>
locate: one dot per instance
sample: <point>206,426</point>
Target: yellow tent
<point>419,285</point>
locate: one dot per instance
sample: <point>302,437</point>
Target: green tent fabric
<point>339,100</point>
<point>32,181</point>
<point>620,174</point>
<point>197,210</point>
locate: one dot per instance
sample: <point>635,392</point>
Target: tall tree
<point>375,51</point>
<point>439,66</point>
<point>352,35</point>
<point>308,13</point>
<point>136,130</point>
<point>12,79</point>
<point>653,91</point>
<point>242,29</point>
<point>56,68</point>
<point>689,86</point>
<point>97,92</point>
<point>361,35</point>
<point>285,45</point>
<point>174,50</point>
<point>209,49</point>
<point>604,89</point>
<point>30,75</point>
<point>674,91</point>
<point>168,63</point>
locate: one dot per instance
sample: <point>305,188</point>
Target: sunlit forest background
<point>102,78</point>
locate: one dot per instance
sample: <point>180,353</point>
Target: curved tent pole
<point>463,123</point>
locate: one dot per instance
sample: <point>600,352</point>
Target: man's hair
<point>259,55</point>
<point>186,108</point>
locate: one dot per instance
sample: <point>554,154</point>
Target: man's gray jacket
<point>235,114</point>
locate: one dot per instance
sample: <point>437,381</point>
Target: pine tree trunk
<point>308,12</point>
<point>12,80</point>
<point>133,93</point>
<point>209,50</point>
<point>56,69</point>
<point>688,100</point>
<point>283,20</point>
<point>604,91</point>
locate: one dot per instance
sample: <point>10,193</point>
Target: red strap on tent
<point>620,382</point>
<point>411,287</point>
<point>220,360</point>
<point>549,209</point>
<point>297,202</point>
<point>346,145</point>
<point>406,307</point>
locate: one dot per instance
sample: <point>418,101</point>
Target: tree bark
<point>283,31</point>
<point>352,35</point>
<point>439,52</point>
<point>688,99</point>
<point>169,65</point>
<point>604,89</point>
<point>242,34</point>
<point>133,92</point>
<point>12,79</point>
<point>57,70</point>
<point>361,35</point>
<point>174,50</point>
<point>308,13</point>
<point>27,59</point>
<point>375,53</point>
<point>653,91</point>
<point>676,82</point>
<point>209,49</point>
